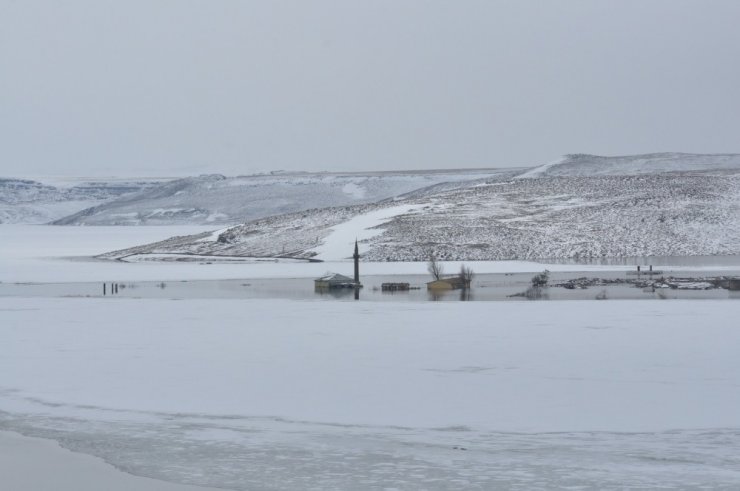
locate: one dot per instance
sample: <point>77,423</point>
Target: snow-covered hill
<point>679,214</point>
<point>675,213</point>
<point>32,202</point>
<point>596,165</point>
<point>220,200</point>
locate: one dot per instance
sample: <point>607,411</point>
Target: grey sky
<point>184,87</point>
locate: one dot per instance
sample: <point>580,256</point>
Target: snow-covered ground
<point>320,395</point>
<point>37,253</point>
<point>42,253</point>
<point>339,243</point>
<point>680,213</point>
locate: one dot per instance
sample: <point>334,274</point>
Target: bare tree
<point>434,267</point>
<point>541,279</point>
<point>466,276</point>
<point>539,285</point>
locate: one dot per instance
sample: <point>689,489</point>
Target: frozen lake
<point>284,394</point>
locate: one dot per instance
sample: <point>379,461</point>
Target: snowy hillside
<point>680,214</point>
<point>32,202</point>
<point>594,165</point>
<point>665,214</point>
<point>220,200</point>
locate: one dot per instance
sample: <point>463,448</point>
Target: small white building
<point>334,280</point>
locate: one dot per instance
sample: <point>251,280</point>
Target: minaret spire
<point>356,257</point>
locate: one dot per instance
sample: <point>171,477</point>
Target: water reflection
<point>436,295</point>
<point>486,287</point>
<point>463,295</point>
<point>339,293</point>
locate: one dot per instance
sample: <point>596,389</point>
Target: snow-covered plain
<point>42,253</point>
<point>320,395</point>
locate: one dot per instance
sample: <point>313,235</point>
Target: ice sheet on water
<point>264,453</point>
<point>321,395</point>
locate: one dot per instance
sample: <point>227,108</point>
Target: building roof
<point>452,280</point>
<point>335,278</point>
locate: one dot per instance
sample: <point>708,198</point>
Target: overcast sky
<point>185,87</point>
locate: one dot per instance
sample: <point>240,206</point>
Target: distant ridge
<point>26,201</point>
<point>597,165</point>
<point>215,199</point>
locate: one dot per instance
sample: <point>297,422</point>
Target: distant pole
<point>103,289</point>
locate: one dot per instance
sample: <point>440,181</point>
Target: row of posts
<point>113,289</point>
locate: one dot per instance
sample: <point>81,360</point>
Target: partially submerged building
<point>395,287</point>
<point>450,283</point>
<point>334,280</point>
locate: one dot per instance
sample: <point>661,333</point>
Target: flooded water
<point>485,287</point>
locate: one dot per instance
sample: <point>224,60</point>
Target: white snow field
<point>339,243</point>
<point>285,395</point>
<point>52,254</point>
